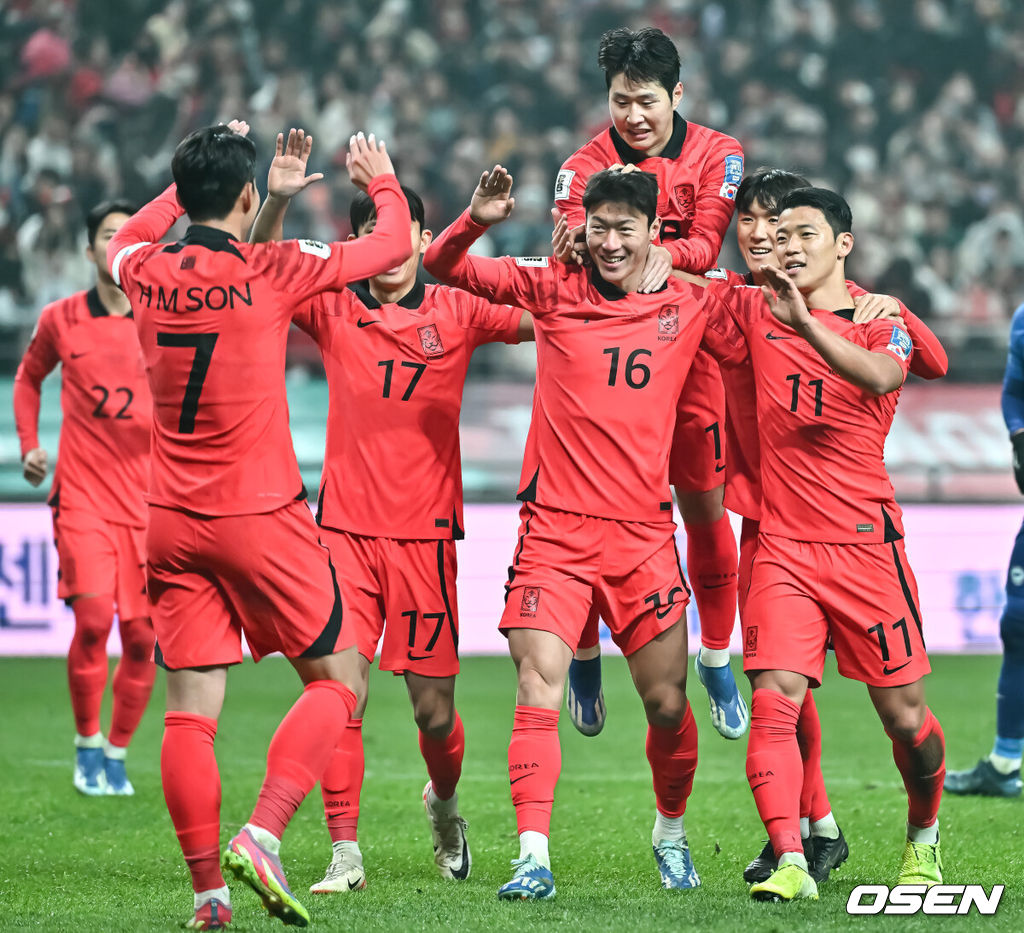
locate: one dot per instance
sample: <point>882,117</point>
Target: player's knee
<point>137,639</point>
<point>434,717</point>
<point>700,508</point>
<point>1011,630</point>
<point>665,706</point>
<point>535,688</point>
<point>903,723</point>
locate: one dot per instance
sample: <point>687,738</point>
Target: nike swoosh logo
<point>771,335</point>
<point>353,887</point>
<point>716,586</point>
<point>75,356</point>
<point>718,469</point>
<point>417,657</point>
<point>521,776</point>
<point>756,786</point>
<point>362,323</point>
<point>888,670</point>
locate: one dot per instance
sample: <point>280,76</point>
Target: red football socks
<point>814,803</point>
<point>300,750</point>
<point>711,561</point>
<point>673,757</point>
<point>133,680</point>
<point>774,768</point>
<point>534,764</point>
<point>922,764</point>
<point>342,783</point>
<point>443,758</point>
<point>87,660</point>
<point>192,791</point>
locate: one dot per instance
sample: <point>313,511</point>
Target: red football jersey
<point>610,367</point>
<point>698,173</point>
<point>821,438</point>
<point>103,463</point>
<point>395,374</point>
<point>213,317</point>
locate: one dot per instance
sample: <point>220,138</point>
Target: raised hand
<point>366,159</point>
<point>287,175</point>
<point>238,126</point>
<point>784,298</point>
<point>568,244</point>
<point>492,201</point>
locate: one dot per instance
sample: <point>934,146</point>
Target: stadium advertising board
<point>958,553</point>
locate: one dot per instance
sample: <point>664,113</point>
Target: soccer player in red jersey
<point>698,171</point>
<point>395,353</point>
<point>597,523</point>
<point>231,545</point>
<point>756,218</point>
<point>830,561</point>
<point>99,516</point>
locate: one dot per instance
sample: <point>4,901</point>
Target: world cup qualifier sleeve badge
<point>430,340</point>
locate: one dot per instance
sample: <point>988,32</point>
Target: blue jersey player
<point>998,775</point>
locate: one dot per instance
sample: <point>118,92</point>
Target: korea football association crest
<point>430,340</point>
<point>531,601</point>
<point>668,322</point>
<point>685,201</point>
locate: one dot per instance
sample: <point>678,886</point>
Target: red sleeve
<point>487,322</point>
<point>570,184</point>
<point>723,337</point>
<point>40,358</point>
<point>147,225</point>
<point>715,201</point>
<point>299,269</point>
<point>886,337</point>
<point>526,282</point>
<point>929,360</point>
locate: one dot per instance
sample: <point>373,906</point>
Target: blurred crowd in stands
<point>913,109</point>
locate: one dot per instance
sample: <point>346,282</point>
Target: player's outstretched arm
<point>929,360</point>
<point>369,168</point>
<point>286,178</point>
<point>877,373</point>
<point>147,225</point>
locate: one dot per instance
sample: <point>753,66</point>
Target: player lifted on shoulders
<point>830,562</point>
<point>698,171</point>
<point>756,219</point>
<point>998,774</point>
<point>231,544</point>
<point>395,353</point>
<point>99,515</point>
<point>597,525</point>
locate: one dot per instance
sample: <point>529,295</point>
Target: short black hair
<point>211,167</point>
<point>362,209</point>
<point>642,56</point>
<point>767,186</point>
<point>637,189</point>
<point>94,219</point>
<point>837,212</point>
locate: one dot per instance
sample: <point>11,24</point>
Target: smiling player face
<point>405,274</point>
<point>618,240</point>
<point>642,112</point>
<point>807,248</point>
<point>755,236</point>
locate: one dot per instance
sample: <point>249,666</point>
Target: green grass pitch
<point>80,864</point>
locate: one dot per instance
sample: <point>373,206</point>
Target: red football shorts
<point>697,459</point>
<point>863,596</point>
<point>211,578</point>
<point>399,594</point>
<point>564,563</point>
<point>750,531</point>
<point>101,557</point>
